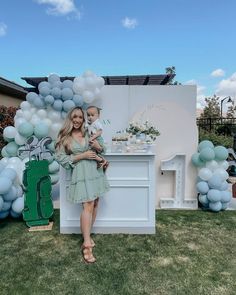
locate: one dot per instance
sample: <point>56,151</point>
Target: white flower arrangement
<point>136,128</point>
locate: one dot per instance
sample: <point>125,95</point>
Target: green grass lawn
<point>192,252</point>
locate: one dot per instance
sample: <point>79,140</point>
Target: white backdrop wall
<point>170,108</point>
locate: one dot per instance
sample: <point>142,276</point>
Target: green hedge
<point>226,141</point>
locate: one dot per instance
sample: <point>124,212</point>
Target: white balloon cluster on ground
<point>11,194</point>
<point>41,115</point>
<point>212,182</point>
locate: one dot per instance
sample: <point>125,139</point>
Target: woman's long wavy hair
<point>65,134</point>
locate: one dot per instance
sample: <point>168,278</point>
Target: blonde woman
<point>73,151</point>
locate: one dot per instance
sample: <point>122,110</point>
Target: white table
<point>129,206</point>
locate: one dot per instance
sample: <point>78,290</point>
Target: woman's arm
<point>89,155</point>
<point>98,146</point>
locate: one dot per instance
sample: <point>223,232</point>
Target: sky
<point>125,37</point>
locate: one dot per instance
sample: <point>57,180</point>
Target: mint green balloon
<point>204,144</point>
<point>41,130</point>
<point>207,154</point>
<point>221,153</point>
<point>26,129</point>
<point>4,153</point>
<point>196,160</point>
<point>11,149</point>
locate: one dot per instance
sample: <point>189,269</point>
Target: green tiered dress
<point>87,181</point>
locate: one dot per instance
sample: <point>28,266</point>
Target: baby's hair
<point>94,107</point>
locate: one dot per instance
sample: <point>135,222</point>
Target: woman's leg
<point>95,208</point>
<point>86,222</point>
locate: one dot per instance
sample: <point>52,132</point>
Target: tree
<point>231,111</point>
<point>212,108</point>
<point>171,71</point>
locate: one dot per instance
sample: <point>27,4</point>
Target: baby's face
<point>92,115</point>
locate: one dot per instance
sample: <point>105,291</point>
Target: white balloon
<point>27,115</point>
<point>54,116</point>
<point>9,132</point>
<point>212,165</point>
<point>15,161</point>
<point>35,119</point>
<point>42,114</point>
<point>25,105</point>
<point>88,73</point>
<point>20,140</point>
<point>90,83</point>
<point>78,87</point>
<point>47,121</point>
<point>4,161</point>
<point>223,174</point>
<point>18,205</point>
<point>19,121</point>
<point>223,164</point>
<point>19,113</point>
<point>205,174</point>
<point>88,96</point>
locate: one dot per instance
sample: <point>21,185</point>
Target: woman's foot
<point>87,254</point>
<point>92,243</point>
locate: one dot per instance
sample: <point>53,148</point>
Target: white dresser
<point>129,206</point>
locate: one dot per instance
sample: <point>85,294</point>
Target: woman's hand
<point>90,155</point>
<point>95,145</point>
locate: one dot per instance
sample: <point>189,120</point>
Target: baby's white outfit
<point>94,127</point>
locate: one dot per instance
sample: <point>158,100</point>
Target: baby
<point>95,129</point>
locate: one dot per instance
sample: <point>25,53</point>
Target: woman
<point>88,183</point>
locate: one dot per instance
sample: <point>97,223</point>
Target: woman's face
<point>77,119</point>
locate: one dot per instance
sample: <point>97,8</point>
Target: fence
<point>221,126</point>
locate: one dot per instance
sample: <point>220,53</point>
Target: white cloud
<point>218,73</point>
<point>129,23</point>
<point>3,29</point>
<point>227,86</point>
<point>60,7</point>
<point>200,93</point>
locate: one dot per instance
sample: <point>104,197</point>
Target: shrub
<point>217,139</point>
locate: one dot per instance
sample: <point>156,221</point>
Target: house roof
<point>12,89</point>
<point>115,80</point>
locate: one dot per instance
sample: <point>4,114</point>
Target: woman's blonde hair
<point>65,134</point>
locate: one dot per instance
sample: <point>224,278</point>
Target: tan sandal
<point>88,254</point>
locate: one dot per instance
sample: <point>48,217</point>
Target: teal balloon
<point>207,154</point>
<point>224,186</point>
<point>9,173</point>
<point>43,84</point>
<point>26,129</point>
<point>68,105</point>
<point>67,84</point>
<point>203,200</point>
<point>215,182</point>
<point>41,130</point>
<point>66,93</point>
<point>39,102</point>
<point>56,92</point>
<point>4,153</point>
<point>215,206</point>
<point>10,195</point>
<point>221,153</point>
<point>52,78</point>
<point>204,144</point>
<point>57,105</point>
<point>202,187</point>
<point>197,162</point>
<point>57,84</point>
<point>11,149</point>
<point>18,205</point>
<point>78,100</point>
<point>44,91</point>
<point>4,214</point>
<point>6,205</point>
<point>214,195</point>
<point>49,100</point>
<point>225,196</point>
<point>31,96</point>
<point>5,184</point>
